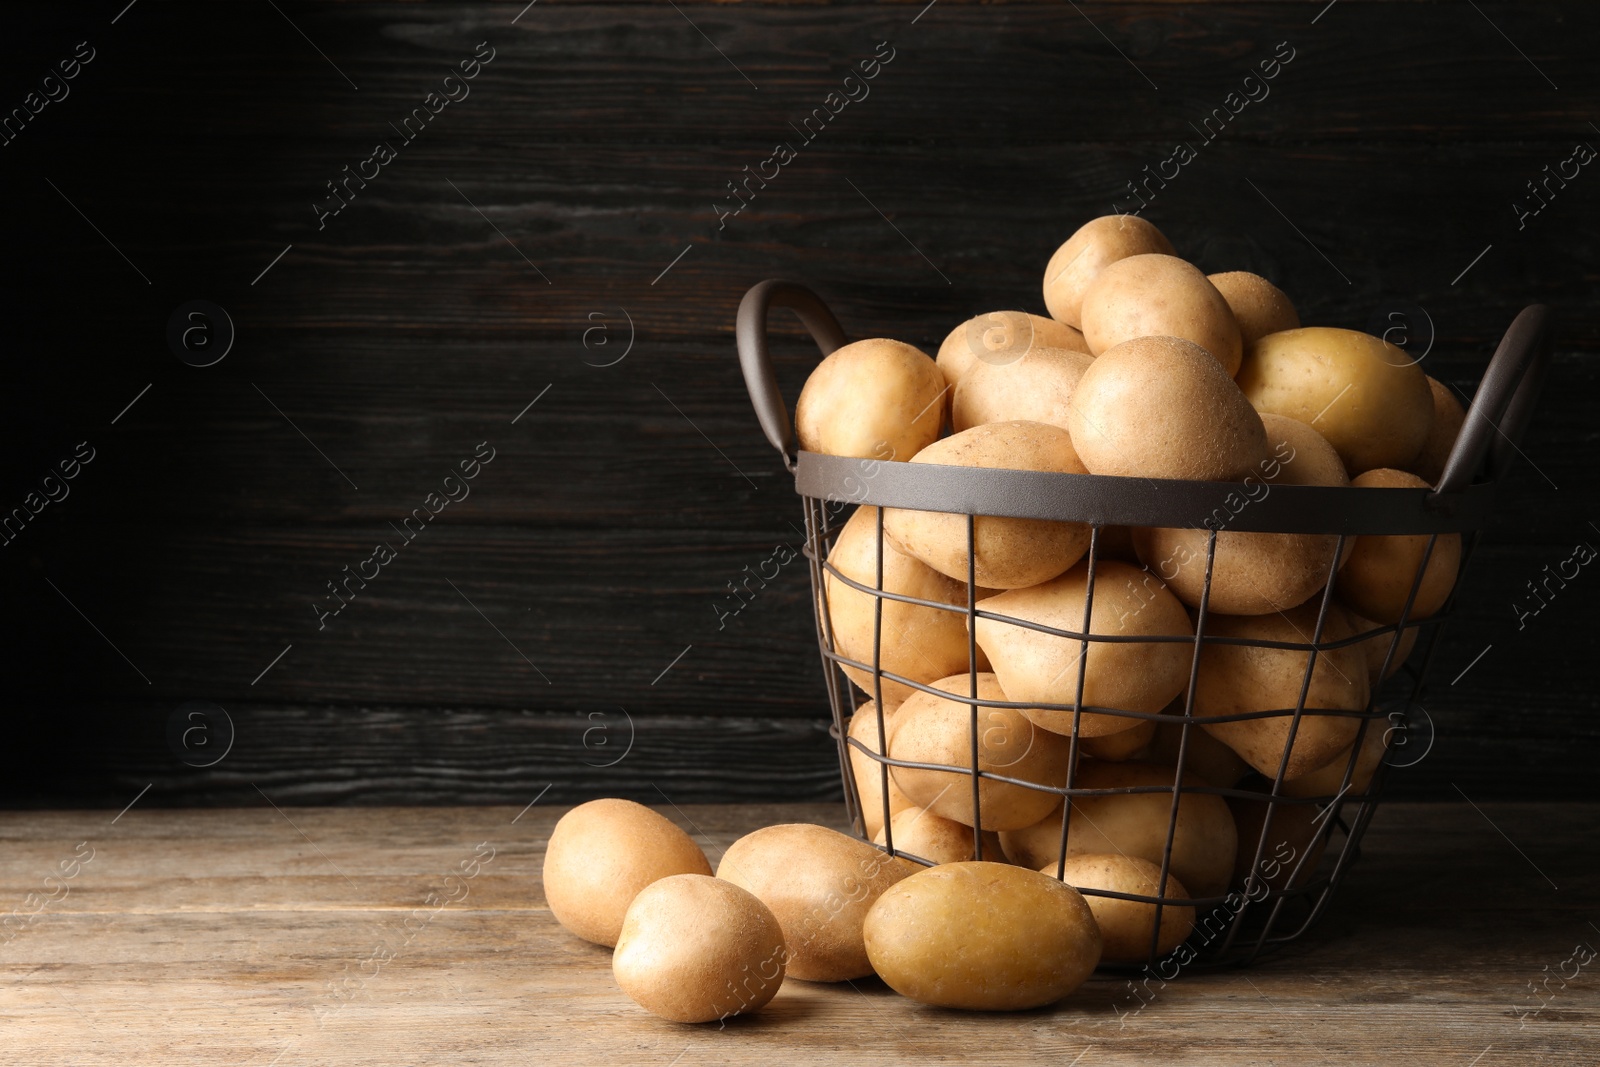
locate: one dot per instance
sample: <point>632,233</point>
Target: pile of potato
<point>1145,368</point>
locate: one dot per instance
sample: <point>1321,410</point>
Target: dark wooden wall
<point>525,637</point>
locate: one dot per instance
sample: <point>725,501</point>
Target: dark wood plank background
<point>522,640</point>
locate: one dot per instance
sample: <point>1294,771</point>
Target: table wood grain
<point>263,935</point>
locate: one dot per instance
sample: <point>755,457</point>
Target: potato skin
<point>1156,295</point>
<point>921,833</point>
<point>1010,552</point>
<point>602,854</point>
<point>1034,387</point>
<point>1126,925</point>
<point>1094,246</point>
<point>918,642</point>
<point>1297,838</point>
<point>1365,395</point>
<point>999,338</point>
<point>869,775</point>
<point>1043,668</point>
<point>1235,679</point>
<point>695,948</point>
<point>1258,306</point>
<point>937,730</point>
<point>1376,579</point>
<point>1205,755</point>
<point>1376,648</point>
<point>1448,417</point>
<point>982,936</point>
<point>874,399</point>
<point>819,884</point>
<point>1162,407</point>
<point>1124,744</point>
<point>1326,781</point>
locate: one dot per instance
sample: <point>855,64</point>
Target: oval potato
<point>1094,246</point>
<point>1155,295</point>
<point>1258,306</point>
<point>1377,577</point>
<point>874,399</point>
<point>1376,648</point>
<point>999,338</point>
<point>920,833</point>
<point>1294,842</point>
<point>1327,780</point>
<point>869,774</point>
<point>1126,925</point>
<point>1033,388</point>
<point>1205,755</point>
<point>1448,417</point>
<point>1124,744</point>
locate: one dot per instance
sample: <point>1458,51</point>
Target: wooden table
<point>314,936</point>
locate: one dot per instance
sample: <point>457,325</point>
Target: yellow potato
<point>1126,925</point>
<point>1205,755</point>
<point>1377,577</point>
<point>1253,573</point>
<point>1135,824</point>
<point>1161,407</point>
<point>1327,780</point>
<point>1376,648</point>
<point>1363,394</point>
<point>1448,415</point>
<point>1009,552</point>
<point>918,642</point>
<point>695,948</point>
<point>1236,679</point>
<point>1096,245</point>
<point>869,773</point>
<point>920,833</point>
<point>876,399</point>
<point>938,730</point>
<point>1156,295</point>
<point>1034,387</point>
<point>1296,839</point>
<point>819,884</point>
<point>1043,668</point>
<point>601,854</point>
<point>1125,744</point>
<point>982,936</point>
<point>999,338</point>
<point>1258,306</point>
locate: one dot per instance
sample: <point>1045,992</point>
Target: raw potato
<point>1327,780</point>
<point>1010,552</point>
<point>918,642</point>
<point>1297,838</point>
<point>1135,824</point>
<point>1237,679</point>
<point>1253,573</point>
<point>695,948</point>
<point>1034,387</point>
<point>1126,925</point>
<point>601,854</point>
<point>982,936</point>
<point>1131,676</point>
<point>1377,578</point>
<point>1161,407</point>
<point>869,773</point>
<point>1377,648</point>
<point>927,836</point>
<point>1363,394</point>
<point>999,338</point>
<point>1124,744</point>
<point>819,883</point>
<point>1448,415</point>
<point>1156,295</point>
<point>1258,306</point>
<point>875,399</point>
<point>1205,755</point>
<point>938,730</point>
<point>1096,245</point>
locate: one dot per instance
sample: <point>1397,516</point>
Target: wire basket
<point>1271,898</point>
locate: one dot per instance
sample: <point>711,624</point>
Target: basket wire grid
<point>1264,911</point>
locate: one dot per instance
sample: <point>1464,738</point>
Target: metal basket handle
<point>1503,403</point>
<point>750,334</point>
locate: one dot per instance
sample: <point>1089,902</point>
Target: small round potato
<point>1010,552</point>
<point>1448,416</point>
<point>1295,841</point>
<point>819,883</point>
<point>999,338</point>
<point>601,854</point>
<point>1135,824</point>
<point>917,642</point>
<point>695,948</point>
<point>1161,407</point>
<point>1238,679</point>
<point>938,730</point>
<point>1096,245</point>
<point>1035,387</point>
<point>1365,395</point>
<point>1253,573</point>
<point>920,833</point>
<point>875,399</point>
<point>1258,306</point>
<point>1204,754</point>
<point>1124,744</point>
<point>1159,296</point>
<point>1043,668</point>
<point>982,936</point>
<point>1126,925</point>
<point>1327,780</point>
<point>1377,577</point>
